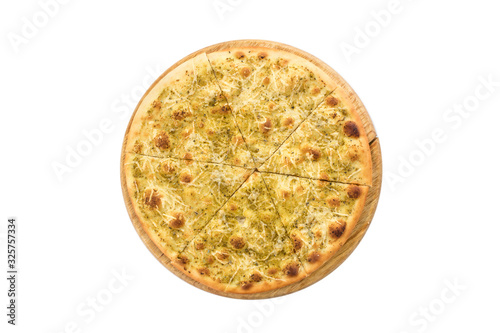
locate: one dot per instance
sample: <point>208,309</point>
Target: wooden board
<point>359,230</point>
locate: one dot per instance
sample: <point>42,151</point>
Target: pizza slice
<point>270,92</point>
<point>244,248</point>
<point>174,199</point>
<point>319,216</point>
<point>331,144</point>
<point>186,116</point>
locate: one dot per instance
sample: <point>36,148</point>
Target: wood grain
<point>366,216</point>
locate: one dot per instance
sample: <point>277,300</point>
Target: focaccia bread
<point>248,168</point>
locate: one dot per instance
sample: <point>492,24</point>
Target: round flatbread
<point>247,167</point>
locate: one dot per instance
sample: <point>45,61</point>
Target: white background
<point>437,221</point>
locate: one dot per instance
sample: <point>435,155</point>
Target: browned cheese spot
<point>188,156</point>
<point>312,153</point>
<point>316,154</point>
<point>199,246</point>
<point>177,221</point>
<point>331,101</point>
<point>353,191</point>
<point>185,178</point>
<point>237,242</point>
<point>138,147</point>
<point>272,271</point>
<point>209,260</point>
<point>256,277</point>
<point>238,140</point>
<point>351,129</point>
<point>266,126</point>
<point>299,189</point>
<point>288,122</point>
<point>353,156</point>
<point>204,271</point>
<point>262,55</point>
<point>157,104</point>
<point>180,114</point>
<point>315,91</point>
<point>266,80</point>
<point>239,55</point>
<point>333,202</point>
<point>297,242</point>
<point>282,62</point>
<point>245,71</point>
<point>291,269</point>
<point>152,198</point>
<point>232,207</point>
<point>313,257</point>
<point>336,230</point>
<point>324,176</point>
<point>245,285</point>
<point>284,194</point>
<point>162,140</point>
<point>271,106</point>
<point>167,168</point>
<point>222,255</point>
<point>182,260</point>
<point>222,110</point>
<point>287,161</point>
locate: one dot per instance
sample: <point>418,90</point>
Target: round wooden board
<point>366,216</point>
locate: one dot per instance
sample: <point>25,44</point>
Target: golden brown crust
<point>365,156</point>
<point>265,52</point>
<point>319,259</point>
<point>250,287</point>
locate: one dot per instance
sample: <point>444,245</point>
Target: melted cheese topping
<point>270,96</point>
<point>244,238</point>
<point>177,198</point>
<point>309,209</point>
<point>321,149</point>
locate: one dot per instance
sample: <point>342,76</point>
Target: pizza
<point>248,167</point>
